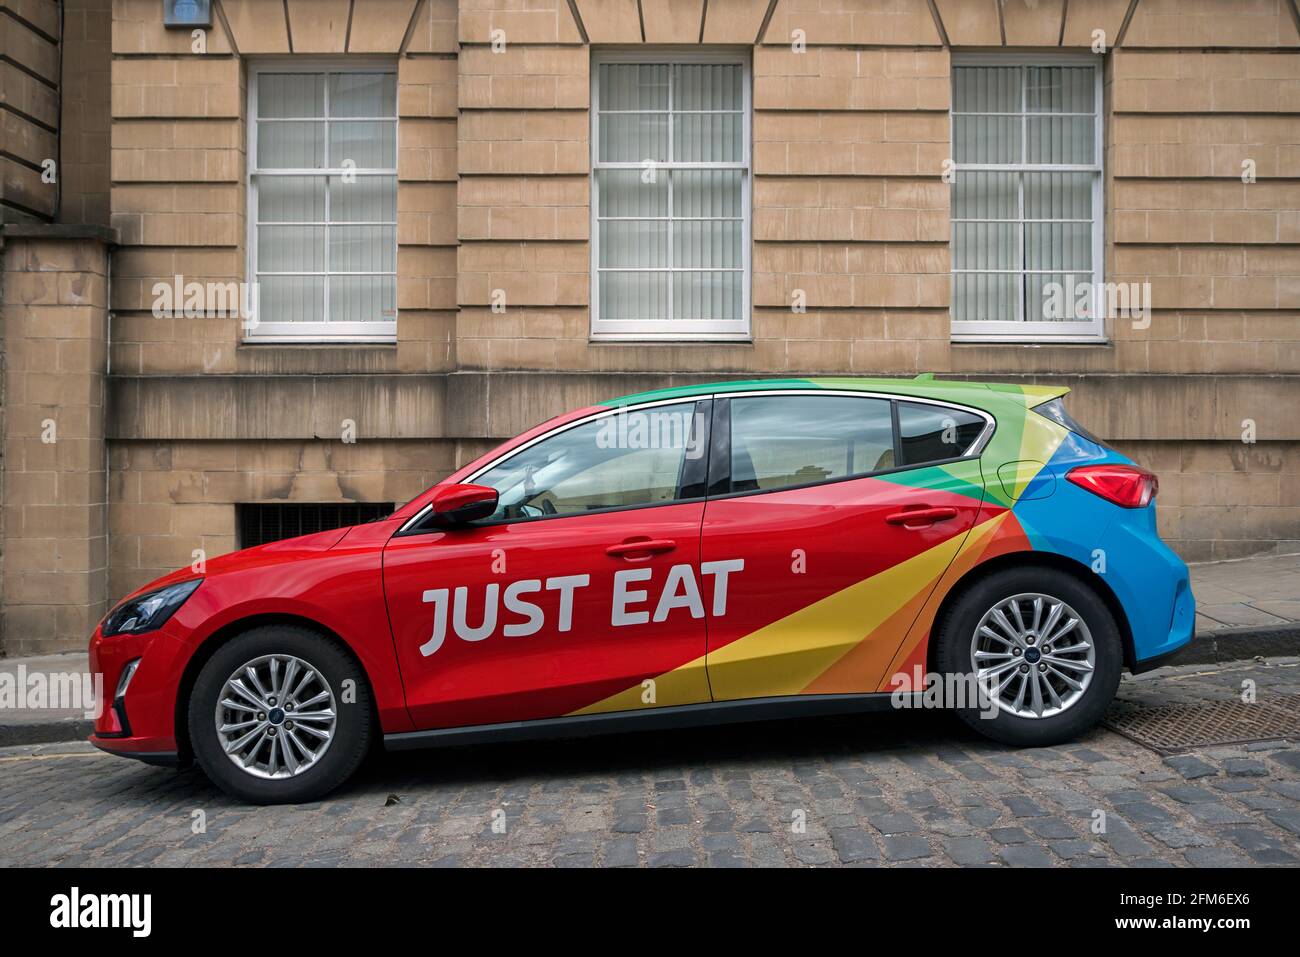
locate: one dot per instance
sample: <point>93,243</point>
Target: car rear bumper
<point>1157,661</point>
<point>1153,586</point>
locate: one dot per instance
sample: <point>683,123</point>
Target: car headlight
<point>148,611</point>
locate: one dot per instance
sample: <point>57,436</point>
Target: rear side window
<point>782,441</point>
<point>932,433</point>
<point>1055,410</point>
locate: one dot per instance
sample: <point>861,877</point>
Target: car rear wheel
<point>280,714</point>
<point>1039,652</point>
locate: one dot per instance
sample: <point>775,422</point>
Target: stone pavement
<point>34,725</point>
<point>906,789</point>
<point>1250,592</point>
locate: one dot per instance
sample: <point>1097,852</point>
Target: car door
<point>577,594</point>
<point>842,531</point>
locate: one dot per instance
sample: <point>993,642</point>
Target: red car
<point>699,555</point>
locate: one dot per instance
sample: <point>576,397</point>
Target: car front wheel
<point>280,714</point>
<point>1040,651</point>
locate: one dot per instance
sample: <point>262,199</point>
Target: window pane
<point>707,295</point>
<point>624,192</point>
<point>1059,246</point>
<point>1058,195</point>
<point>1059,89</point>
<point>282,144</point>
<point>986,139</point>
<point>779,441</point>
<point>291,298</point>
<point>979,194</point>
<point>1060,297</point>
<point>367,199</point>
<point>291,248</point>
<point>708,137</point>
<point>633,137</point>
<point>1060,139</point>
<point>630,458</point>
<point>634,295</point>
<point>363,298</point>
<point>985,246</point>
<point>707,193</point>
<point>367,145</point>
<point>290,199</point>
<point>930,433</point>
<point>633,86</point>
<point>708,86</point>
<point>982,297</point>
<point>634,243</point>
<point>290,94</point>
<point>363,248</point>
<point>363,94</point>
<point>708,244</point>
<point>986,89</point>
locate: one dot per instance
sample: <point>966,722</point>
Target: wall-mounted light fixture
<point>187,13</point>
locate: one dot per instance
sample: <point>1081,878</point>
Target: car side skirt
<point>652,719</point>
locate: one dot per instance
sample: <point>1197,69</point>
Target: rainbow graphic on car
<point>874,634</point>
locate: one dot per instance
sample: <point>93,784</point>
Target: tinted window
<point>630,458</point>
<point>931,433</point>
<point>1055,410</point>
<point>779,441</point>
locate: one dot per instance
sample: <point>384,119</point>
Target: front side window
<point>632,458</point>
<point>670,197</point>
<point>783,441</point>
<point>1026,200</point>
<point>323,203</point>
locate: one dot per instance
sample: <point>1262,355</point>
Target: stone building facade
<point>848,129</point>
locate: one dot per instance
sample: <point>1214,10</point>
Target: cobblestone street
<point>882,789</point>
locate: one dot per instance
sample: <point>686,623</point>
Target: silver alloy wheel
<point>275,716</point>
<point>1033,655</point>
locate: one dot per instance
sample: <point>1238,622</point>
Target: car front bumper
<point>139,721</point>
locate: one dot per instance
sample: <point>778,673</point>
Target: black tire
<point>353,729</point>
<point>953,654</point>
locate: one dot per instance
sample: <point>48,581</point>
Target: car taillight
<point>1126,485</point>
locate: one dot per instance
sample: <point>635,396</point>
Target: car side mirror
<point>460,504</point>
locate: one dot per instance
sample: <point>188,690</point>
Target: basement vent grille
<point>1169,729</point>
<point>262,523</point>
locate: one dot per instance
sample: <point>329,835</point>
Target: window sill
<point>386,342</point>
<point>683,339</point>
<point>1025,342</point>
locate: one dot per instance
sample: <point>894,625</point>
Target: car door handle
<point>919,517</point>
<point>641,546</point>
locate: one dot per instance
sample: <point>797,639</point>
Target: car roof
<point>923,386</point>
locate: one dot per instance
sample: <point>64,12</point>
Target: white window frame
<point>323,331</point>
<point>674,329</point>
<point>1087,331</point>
